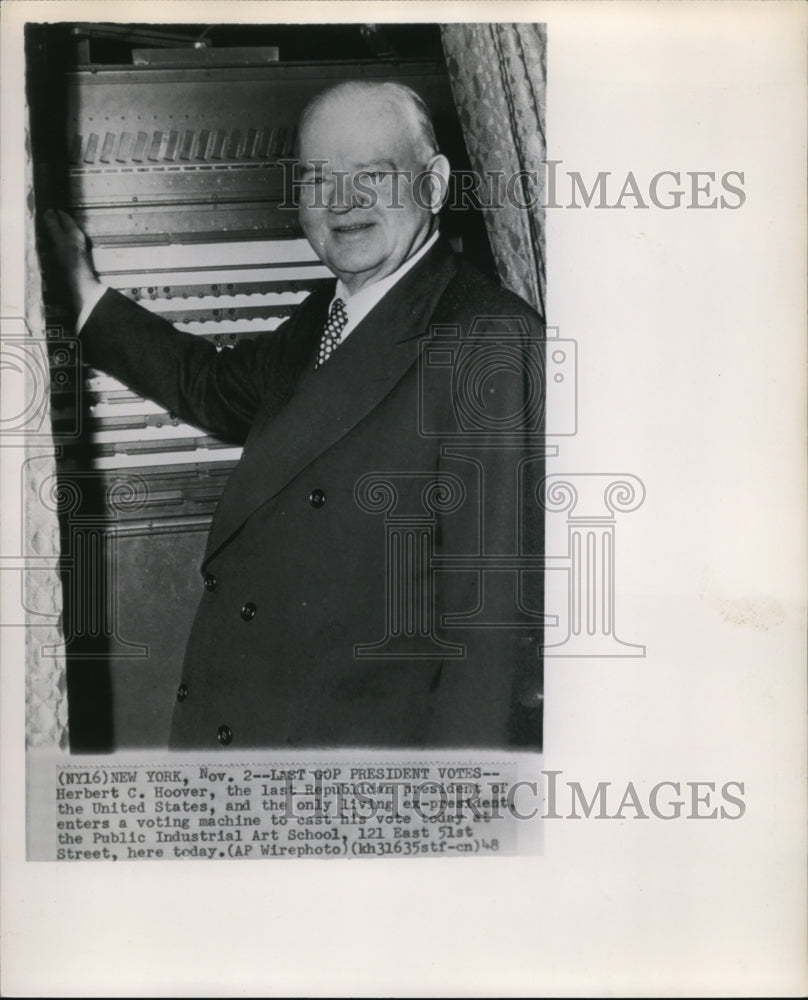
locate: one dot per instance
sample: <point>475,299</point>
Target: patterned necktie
<point>329,342</point>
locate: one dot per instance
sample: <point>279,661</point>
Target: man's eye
<point>375,176</point>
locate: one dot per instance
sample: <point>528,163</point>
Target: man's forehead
<point>370,126</point>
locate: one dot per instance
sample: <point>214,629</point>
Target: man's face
<point>360,209</point>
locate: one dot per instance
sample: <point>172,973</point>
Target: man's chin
<point>352,266</point>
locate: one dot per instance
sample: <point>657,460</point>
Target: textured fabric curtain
<point>45,677</point>
<point>498,74</point>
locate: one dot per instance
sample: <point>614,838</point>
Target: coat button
<point>317,498</point>
<point>210,581</point>
<point>182,692</point>
<point>224,734</point>
<point>248,611</point>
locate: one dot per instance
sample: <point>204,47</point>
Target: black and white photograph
<point>262,545</point>
<point>402,451</point>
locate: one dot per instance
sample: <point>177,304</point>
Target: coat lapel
<point>328,403</point>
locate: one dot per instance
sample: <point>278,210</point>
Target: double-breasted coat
<point>360,517</point>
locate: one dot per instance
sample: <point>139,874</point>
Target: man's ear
<point>437,189</point>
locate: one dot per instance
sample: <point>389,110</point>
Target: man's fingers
<point>60,223</point>
<point>71,252</point>
<point>67,241</point>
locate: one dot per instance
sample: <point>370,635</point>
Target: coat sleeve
<point>492,695</point>
<point>219,391</point>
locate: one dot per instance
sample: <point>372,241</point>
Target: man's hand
<point>71,250</point>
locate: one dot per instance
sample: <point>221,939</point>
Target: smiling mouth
<point>359,227</point>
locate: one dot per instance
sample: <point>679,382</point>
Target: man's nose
<point>343,194</point>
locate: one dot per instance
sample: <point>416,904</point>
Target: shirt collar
<point>361,302</point>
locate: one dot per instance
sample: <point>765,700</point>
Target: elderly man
<point>315,627</point>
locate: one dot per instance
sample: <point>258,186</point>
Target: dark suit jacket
<point>306,559</point>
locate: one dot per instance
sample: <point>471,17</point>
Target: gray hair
<point>412,105</point>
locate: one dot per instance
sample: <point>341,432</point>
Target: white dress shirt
<point>359,304</point>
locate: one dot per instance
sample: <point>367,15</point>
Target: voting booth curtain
<point>498,74</point>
